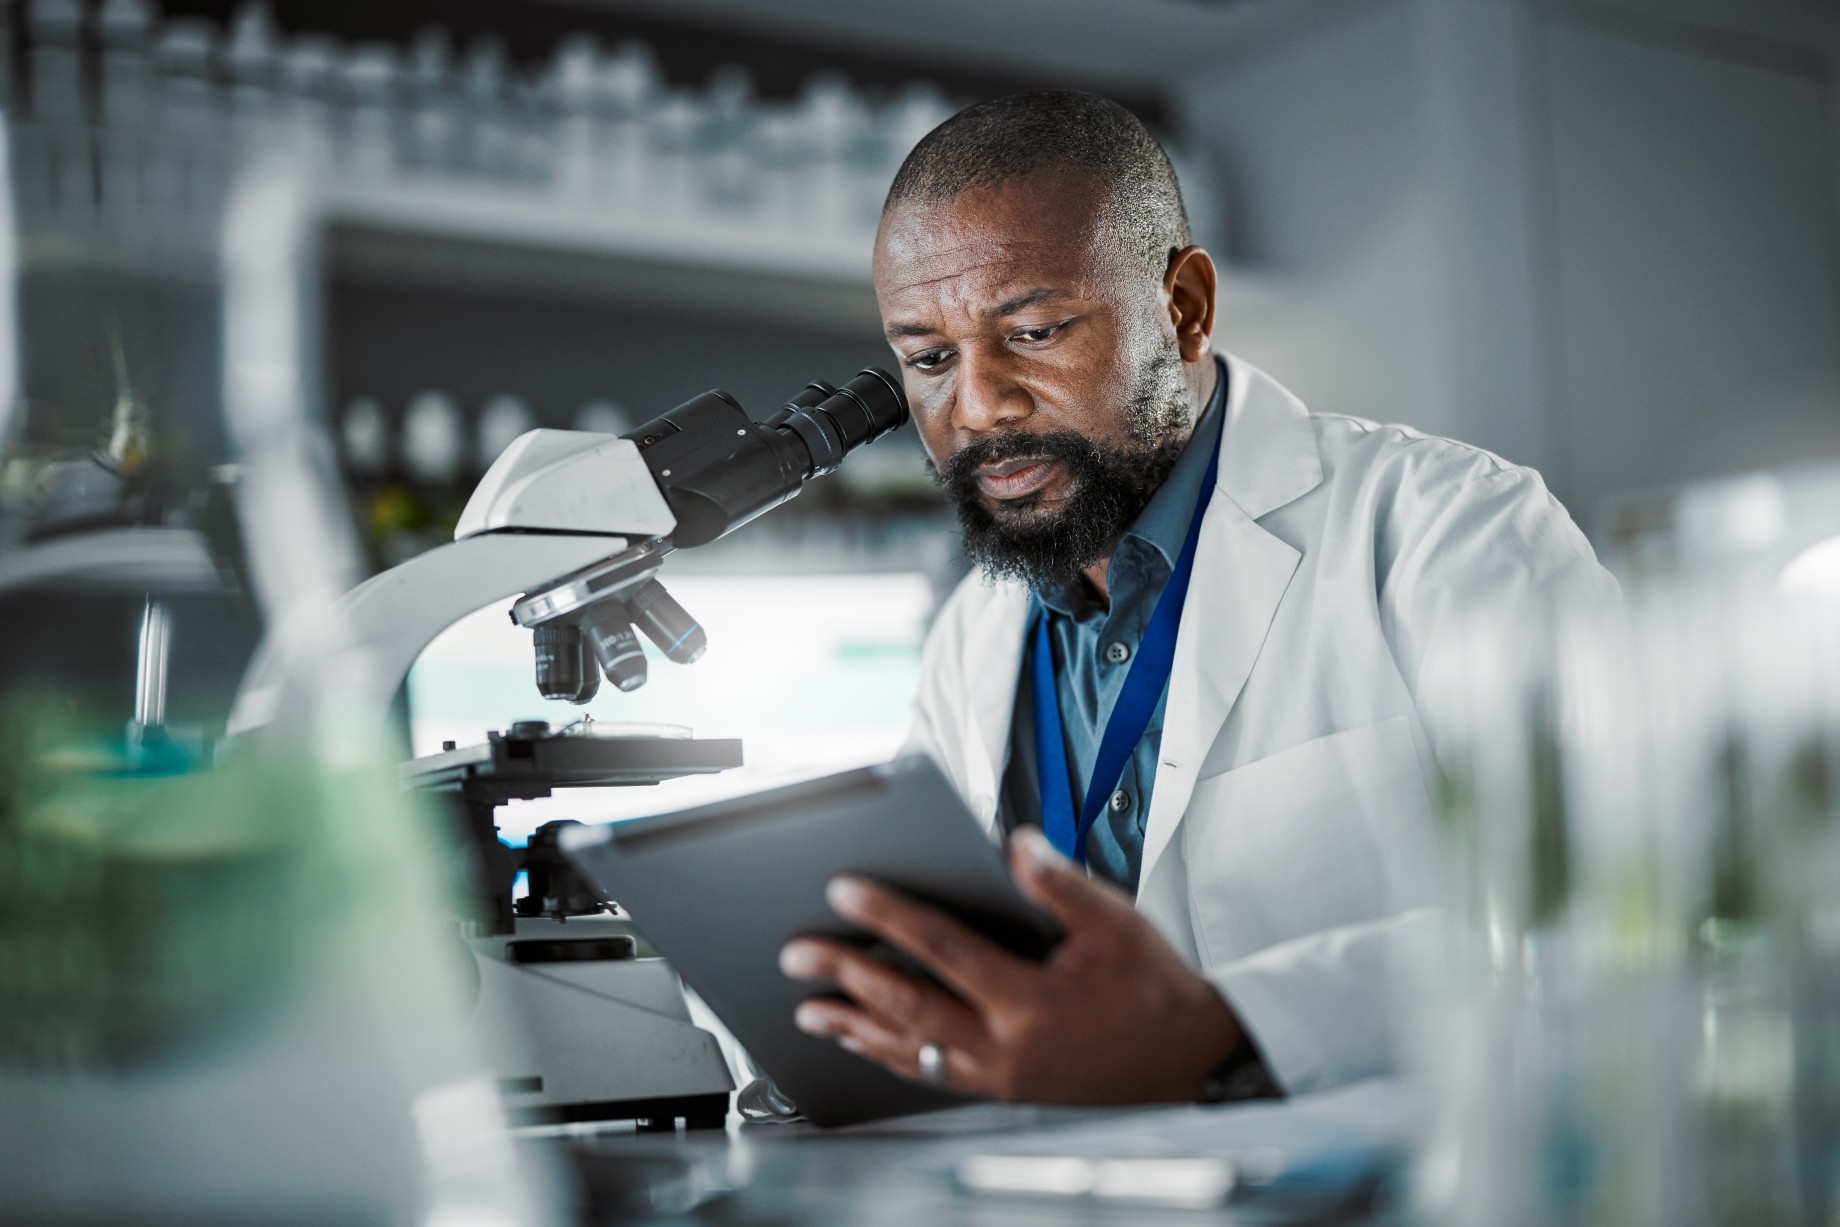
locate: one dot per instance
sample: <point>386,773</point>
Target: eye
<point>1038,335</point>
<point>928,360</point>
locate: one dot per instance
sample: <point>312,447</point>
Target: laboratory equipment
<point>1640,974</point>
<point>220,998</point>
<point>576,526</point>
<point>593,134</point>
<point>595,1025</point>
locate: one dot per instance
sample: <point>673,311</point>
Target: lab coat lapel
<point>1268,458</point>
<point>993,664</point>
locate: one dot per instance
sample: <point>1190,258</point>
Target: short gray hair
<point>990,144</point>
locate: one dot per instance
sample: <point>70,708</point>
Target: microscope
<point>582,1020</point>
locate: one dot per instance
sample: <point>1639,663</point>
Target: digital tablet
<point>719,889</point>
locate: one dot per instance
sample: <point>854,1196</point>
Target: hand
<point>1113,1016</point>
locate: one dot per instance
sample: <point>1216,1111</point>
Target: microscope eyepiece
<point>866,408</point>
<point>833,422</point>
<point>718,469</point>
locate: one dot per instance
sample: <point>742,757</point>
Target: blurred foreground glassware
<point>1638,1017</point>
<point>224,992</point>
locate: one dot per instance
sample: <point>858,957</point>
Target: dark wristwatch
<point>1241,1075</point>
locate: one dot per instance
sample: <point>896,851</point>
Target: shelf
<point>507,242</point>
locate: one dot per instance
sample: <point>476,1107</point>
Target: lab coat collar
<point>1268,458</point>
<point>993,671</point>
<point>1268,453</point>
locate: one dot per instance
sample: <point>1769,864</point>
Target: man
<point>1192,654</point>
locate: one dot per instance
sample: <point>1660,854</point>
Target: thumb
<point>1053,882</point>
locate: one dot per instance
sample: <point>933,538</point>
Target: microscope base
<point>651,1115</point>
<point>582,1025</point>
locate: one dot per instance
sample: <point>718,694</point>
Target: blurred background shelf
<point>478,241</point>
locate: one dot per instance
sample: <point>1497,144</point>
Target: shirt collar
<point>1163,523</point>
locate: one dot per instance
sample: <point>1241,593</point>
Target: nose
<point>986,396</point>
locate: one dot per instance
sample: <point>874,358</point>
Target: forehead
<point>984,244</point>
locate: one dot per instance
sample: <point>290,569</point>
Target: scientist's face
<point>1046,368</point>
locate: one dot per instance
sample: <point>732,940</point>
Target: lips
<point>1016,477</point>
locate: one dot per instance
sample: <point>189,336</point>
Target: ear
<point>1188,286</point>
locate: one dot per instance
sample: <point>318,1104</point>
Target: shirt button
<point>1121,801</point>
<point>1118,652</point>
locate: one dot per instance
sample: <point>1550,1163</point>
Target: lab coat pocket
<point>1327,833</point>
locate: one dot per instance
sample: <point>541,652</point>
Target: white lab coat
<point>1287,851</point>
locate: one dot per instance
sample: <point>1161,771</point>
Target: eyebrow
<point>1034,298</point>
<point>1022,302</point>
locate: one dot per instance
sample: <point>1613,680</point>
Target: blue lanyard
<point>1143,690</point>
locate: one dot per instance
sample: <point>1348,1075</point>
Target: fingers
<point>978,970</point>
<point>863,1035</point>
<point>1051,881</point>
<point>903,1006</point>
<point>855,1032</point>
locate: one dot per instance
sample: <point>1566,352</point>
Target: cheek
<point>930,402</point>
<point>1084,385</point>
<point>934,426</point>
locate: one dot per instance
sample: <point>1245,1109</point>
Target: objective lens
<point>610,637</point>
<point>564,669</point>
<point>666,623</point>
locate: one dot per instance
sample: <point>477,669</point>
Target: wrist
<point>1241,1074</point>
<point>1219,1041</point>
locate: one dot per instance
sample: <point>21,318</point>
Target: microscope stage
<point>525,766</point>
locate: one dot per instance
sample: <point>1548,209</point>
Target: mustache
<point>958,475</point>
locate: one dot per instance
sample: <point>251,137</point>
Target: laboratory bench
<point>1332,1158</point>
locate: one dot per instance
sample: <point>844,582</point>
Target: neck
<point>1201,391</point>
<point>1095,575</point>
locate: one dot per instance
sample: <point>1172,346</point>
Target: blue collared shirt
<point>1093,646</point>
